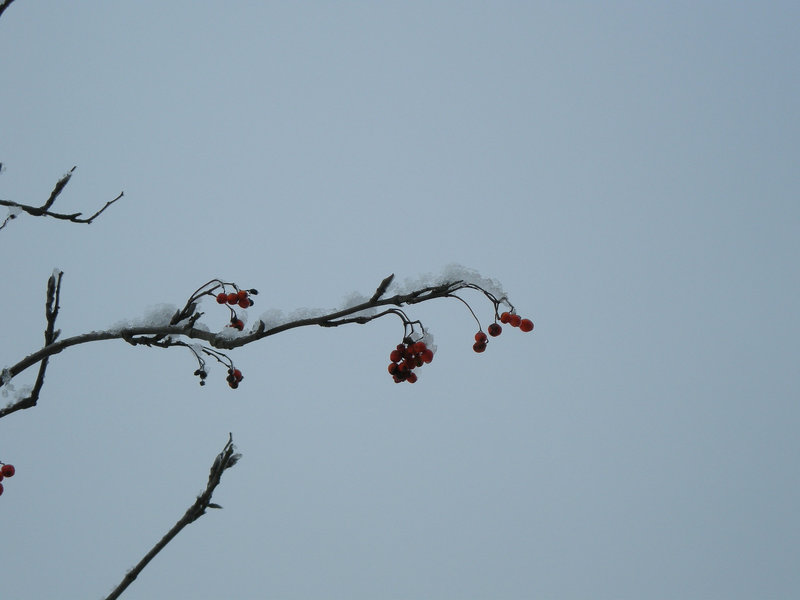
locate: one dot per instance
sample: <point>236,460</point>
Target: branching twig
<point>44,209</point>
<point>224,460</point>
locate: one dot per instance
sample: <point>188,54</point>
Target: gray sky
<point>627,171</point>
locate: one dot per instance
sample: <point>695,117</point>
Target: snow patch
<point>158,315</point>
<point>451,273</point>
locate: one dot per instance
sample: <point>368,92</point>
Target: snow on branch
<point>167,327</point>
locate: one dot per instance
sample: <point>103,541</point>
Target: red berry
<point>480,337</point>
<point>504,318</point>
<point>412,378</point>
<point>515,320</point>
<point>237,374</point>
<point>479,347</point>
<point>1,489</point>
<point>242,295</point>
<point>392,368</point>
<point>427,355</point>
<point>395,356</point>
<point>1,477</point>
<point>8,470</point>
<point>244,302</point>
<point>233,298</point>
<point>222,298</point>
<point>526,325</point>
<point>420,347</point>
<point>494,329</point>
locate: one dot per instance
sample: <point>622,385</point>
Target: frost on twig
<point>224,460</point>
<point>15,208</point>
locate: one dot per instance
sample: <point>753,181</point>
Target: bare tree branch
<point>44,209</point>
<point>224,460</point>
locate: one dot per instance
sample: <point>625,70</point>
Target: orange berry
<point>515,320</point>
<point>233,298</point>
<point>222,298</point>
<point>244,302</point>
<point>242,294</point>
<point>526,325</point>
<point>504,318</point>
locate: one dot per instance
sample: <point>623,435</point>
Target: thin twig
<point>382,287</point>
<point>60,185</point>
<point>224,460</point>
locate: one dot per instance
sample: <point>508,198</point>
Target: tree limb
<point>224,460</point>
<point>183,325</point>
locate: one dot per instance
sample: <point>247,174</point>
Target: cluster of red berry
<point>406,357</point>
<point>234,378</point>
<point>6,471</point>
<point>240,297</point>
<point>496,329</point>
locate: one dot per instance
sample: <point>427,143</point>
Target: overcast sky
<point>627,170</point>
